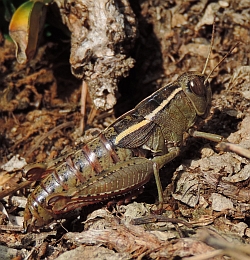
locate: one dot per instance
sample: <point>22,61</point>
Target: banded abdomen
<point>93,173</point>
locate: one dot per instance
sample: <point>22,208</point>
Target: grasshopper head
<point>199,93</point>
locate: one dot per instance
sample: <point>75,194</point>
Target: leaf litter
<point>204,187</point>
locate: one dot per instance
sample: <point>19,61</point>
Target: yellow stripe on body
<point>147,119</point>
<point>163,104</point>
<point>129,130</point>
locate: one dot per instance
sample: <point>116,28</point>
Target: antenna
<point>209,75</point>
<point>209,54</point>
<point>211,47</point>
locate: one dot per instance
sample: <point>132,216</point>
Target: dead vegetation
<point>207,189</point>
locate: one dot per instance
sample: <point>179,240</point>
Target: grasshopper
<point>123,158</point>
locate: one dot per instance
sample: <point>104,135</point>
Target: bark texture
<point>102,34</point>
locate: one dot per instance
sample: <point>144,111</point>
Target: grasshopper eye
<point>197,86</point>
